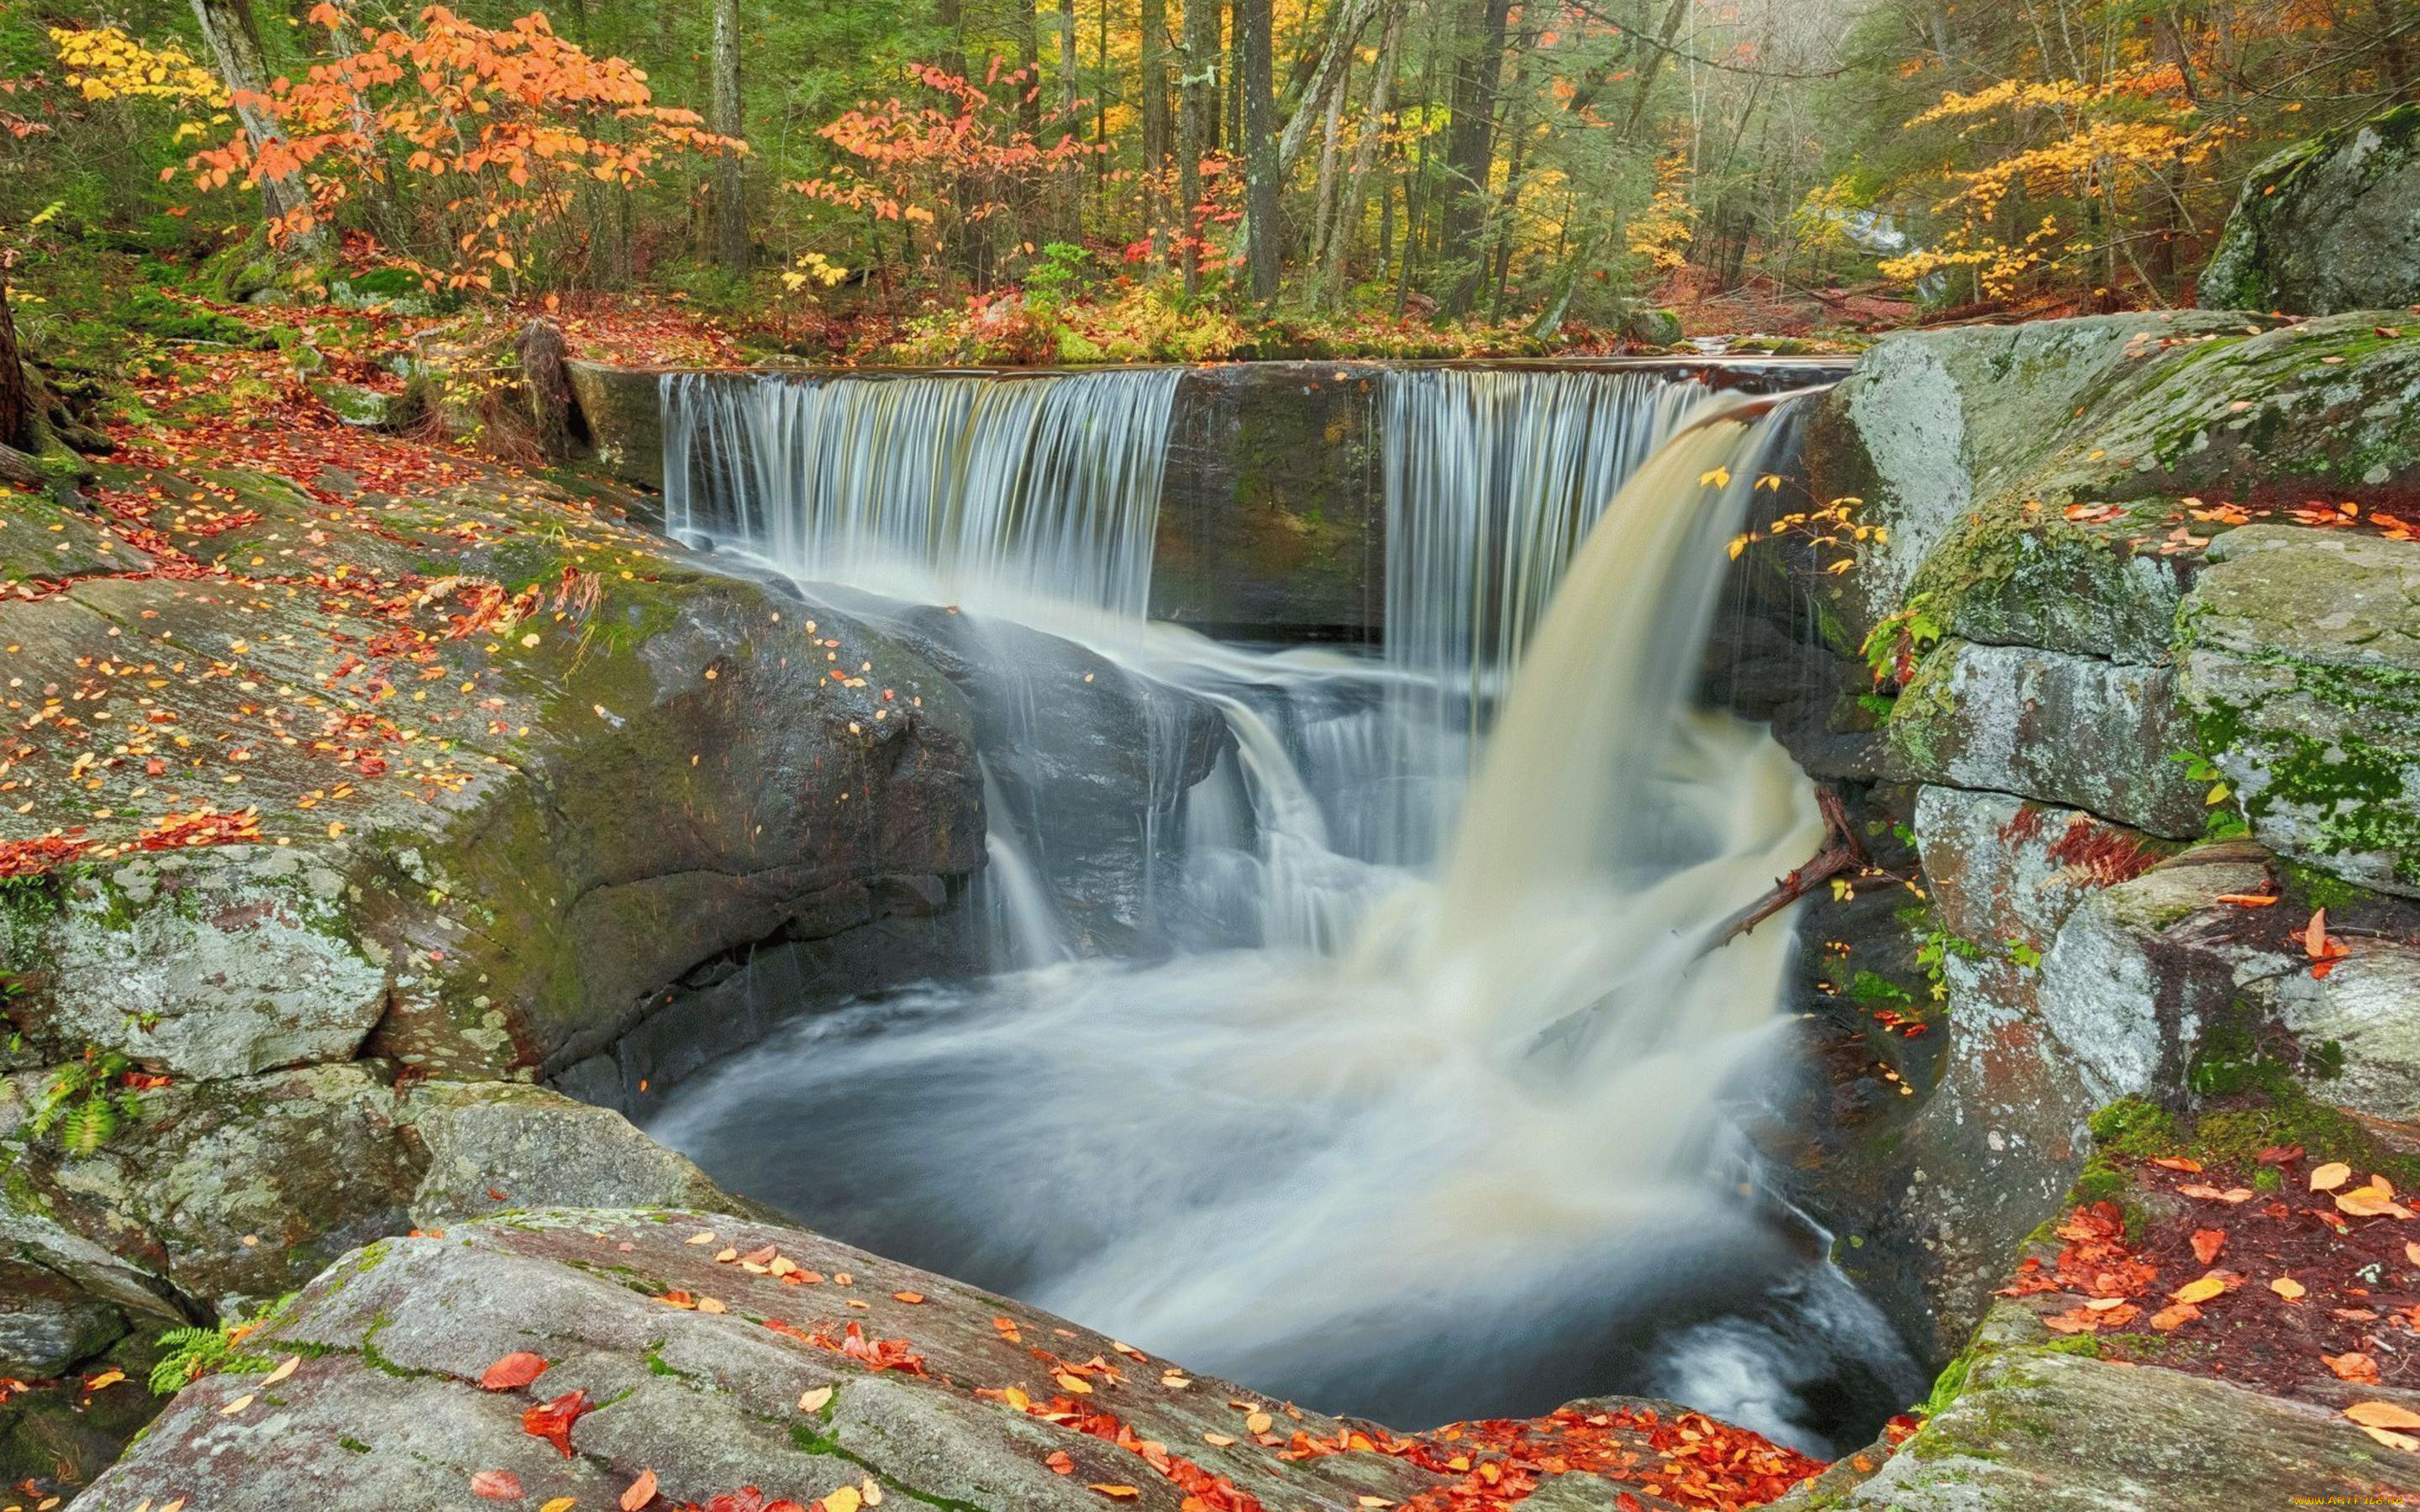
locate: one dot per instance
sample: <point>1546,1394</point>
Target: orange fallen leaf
<point>1120,1492</point>
<point>2248,899</point>
<point>913,1299</point>
<point>2176,1163</point>
<point>2382,1415</point>
<point>2207,1242</point>
<point>2209,1193</point>
<point>512,1372</point>
<point>1060,1464</point>
<point>553,1420</point>
<point>2352,1366</point>
<point>2392,1440</point>
<point>640,1492</point>
<point>2168,1319</point>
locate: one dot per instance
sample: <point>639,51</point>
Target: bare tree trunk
<point>1198,100</point>
<point>1263,239</point>
<point>16,401</point>
<point>235,43</point>
<point>1348,220</point>
<point>729,174</point>
<point>1470,148</point>
<point>1323,199</point>
<point>1071,95</point>
<point>1154,122</point>
<point>1348,20</point>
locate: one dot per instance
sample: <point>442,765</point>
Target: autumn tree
<point>496,129</point>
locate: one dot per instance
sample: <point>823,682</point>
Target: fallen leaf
<point>552,1421</point>
<point>1217,1441</point>
<point>512,1372</point>
<point>112,1377</point>
<point>561,1504</point>
<point>2327,1177</point>
<point>497,1485</point>
<point>1258,1422</point>
<point>2352,1366</point>
<point>232,1408</point>
<point>913,1299</point>
<point>2279,1155</point>
<point>2248,899</point>
<point>2207,1242</point>
<point>2202,1289</point>
<point>844,1499</point>
<point>2382,1415</point>
<point>2411,1252</point>
<point>2211,1194</point>
<point>2168,1319</point>
<point>1120,1492</point>
<point>2391,1439</point>
<point>1074,1383</point>
<point>2176,1163</point>
<point>1060,1464</point>
<point>707,1237</point>
<point>813,1401</point>
<point>291,1364</point>
<point>2287,1287</point>
<point>642,1491</point>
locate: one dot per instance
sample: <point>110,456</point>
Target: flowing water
<point>1403,1090</point>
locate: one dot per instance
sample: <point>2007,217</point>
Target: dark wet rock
<point>2328,225</point>
<point>47,1323</point>
<point>384,1409</point>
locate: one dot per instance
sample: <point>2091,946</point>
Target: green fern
<point>84,1102</point>
<point>188,1354</point>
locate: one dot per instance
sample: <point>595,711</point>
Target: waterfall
<point>1417,1128</point>
<point>1044,485</point>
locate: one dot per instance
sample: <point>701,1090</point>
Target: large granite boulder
<point>2328,225</point>
<point>706,1353</point>
<point>2303,667</point>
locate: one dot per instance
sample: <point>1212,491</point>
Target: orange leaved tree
<point>950,166</point>
<point>464,148</point>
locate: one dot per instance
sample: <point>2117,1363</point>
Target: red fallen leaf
<point>2280,1155</point>
<point>1627,1503</point>
<point>2355,1366</point>
<point>2176,1163</point>
<point>2207,1242</point>
<point>497,1485</point>
<point>513,1372</point>
<point>1060,1463</point>
<point>1901,1428</point>
<point>640,1492</point>
<point>552,1422</point>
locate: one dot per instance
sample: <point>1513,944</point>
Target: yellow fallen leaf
<point>841,1498</point>
<point>2394,1439</point>
<point>707,1304</point>
<point>1259,1422</point>
<point>1074,1383</point>
<point>1217,1441</point>
<point>2202,1289</point>
<point>232,1408</point>
<point>1174,1382</point>
<point>870,1491</point>
<point>813,1401</point>
<point>707,1237</point>
<point>2411,1252</point>
<point>112,1377</point>
<point>2287,1287</point>
<point>2382,1415</point>
<point>2335,1174</point>
<point>561,1504</point>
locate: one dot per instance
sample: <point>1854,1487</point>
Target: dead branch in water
<point>1841,852</point>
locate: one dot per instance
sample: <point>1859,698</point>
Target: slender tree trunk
<point>1197,96</point>
<point>1323,199</point>
<point>1365,152</point>
<point>234,42</point>
<point>1263,238</point>
<point>1346,24</point>
<point>1154,122</point>
<point>730,172</point>
<point>1071,96</point>
<point>1470,148</point>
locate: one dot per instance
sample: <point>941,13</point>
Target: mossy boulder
<point>2303,667</point>
<point>2328,225</point>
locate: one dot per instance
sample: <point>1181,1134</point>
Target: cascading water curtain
<point>1491,480</point>
<point>1041,487</point>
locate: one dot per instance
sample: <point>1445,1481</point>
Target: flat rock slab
<point>719,1353</point>
<point>2047,1432</point>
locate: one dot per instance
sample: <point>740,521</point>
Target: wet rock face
<point>700,1364</point>
<point>2328,224</point>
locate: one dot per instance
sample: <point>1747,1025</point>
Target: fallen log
<point>1841,851</point>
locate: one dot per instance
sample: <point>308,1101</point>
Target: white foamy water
<point>1411,1099</point>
